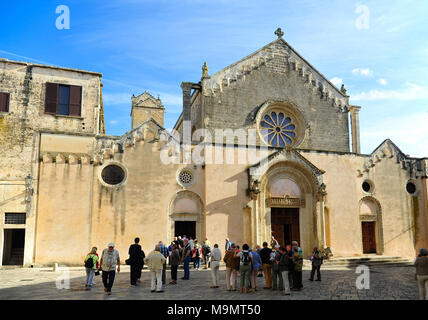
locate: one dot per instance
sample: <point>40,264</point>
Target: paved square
<point>386,282</point>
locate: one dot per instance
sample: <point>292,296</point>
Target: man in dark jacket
<point>285,267</point>
<point>136,261</point>
<point>266,264</point>
<point>316,264</point>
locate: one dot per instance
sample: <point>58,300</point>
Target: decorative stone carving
<point>72,159</point>
<point>47,158</point>
<point>60,158</point>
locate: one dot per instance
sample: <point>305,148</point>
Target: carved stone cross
<point>279,33</point>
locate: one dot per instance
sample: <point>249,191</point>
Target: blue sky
<point>154,45</point>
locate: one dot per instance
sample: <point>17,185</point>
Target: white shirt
<point>215,254</point>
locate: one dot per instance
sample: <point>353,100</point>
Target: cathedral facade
<point>266,146</point>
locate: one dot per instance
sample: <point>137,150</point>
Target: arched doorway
<point>185,215</point>
<point>371,226</point>
<point>285,222</point>
<point>288,185</point>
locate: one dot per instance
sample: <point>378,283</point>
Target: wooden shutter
<point>75,100</point>
<point>4,102</point>
<point>52,95</point>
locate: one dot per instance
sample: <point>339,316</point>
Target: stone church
<point>66,186</point>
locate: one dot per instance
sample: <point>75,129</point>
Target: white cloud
<point>382,82</point>
<point>336,81</point>
<point>113,122</point>
<point>363,72</point>
<point>408,132</point>
<point>411,92</point>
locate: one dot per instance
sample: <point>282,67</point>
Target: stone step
<point>374,260</point>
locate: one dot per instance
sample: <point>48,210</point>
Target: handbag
<point>97,273</point>
<point>128,261</point>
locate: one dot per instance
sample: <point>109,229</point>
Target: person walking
<point>273,242</point>
<point>206,251</point>
<point>136,261</point>
<point>91,265</point>
<point>316,259</point>
<point>186,255</point>
<point>284,267</point>
<point>246,261</point>
<point>109,260</point>
<point>277,281</point>
<point>255,268</point>
<point>232,264</point>
<point>266,265</point>
<point>215,265</point>
<point>164,251</point>
<point>196,255</point>
<point>260,272</point>
<point>421,264</point>
<point>297,272</point>
<point>155,262</point>
<point>289,252</point>
<point>227,245</point>
<point>174,258</point>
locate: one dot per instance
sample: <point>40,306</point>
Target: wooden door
<point>285,225</point>
<point>278,233</point>
<point>369,237</point>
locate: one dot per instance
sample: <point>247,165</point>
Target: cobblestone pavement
<point>386,282</point>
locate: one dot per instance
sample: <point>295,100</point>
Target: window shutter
<point>2,102</point>
<point>51,98</point>
<point>6,100</point>
<point>75,100</point>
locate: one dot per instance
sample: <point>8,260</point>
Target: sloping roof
<point>264,54</point>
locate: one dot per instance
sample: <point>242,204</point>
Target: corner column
<point>355,127</point>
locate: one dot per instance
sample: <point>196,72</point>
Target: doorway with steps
<point>13,247</point>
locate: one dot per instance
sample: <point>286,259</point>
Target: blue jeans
<point>197,262</point>
<point>186,268</point>
<point>108,279</point>
<point>90,273</point>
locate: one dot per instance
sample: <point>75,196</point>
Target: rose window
<point>185,177</point>
<point>277,129</point>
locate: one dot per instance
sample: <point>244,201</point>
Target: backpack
<point>245,258</point>
<point>89,263</point>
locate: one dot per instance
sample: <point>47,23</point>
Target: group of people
<point>280,266</point>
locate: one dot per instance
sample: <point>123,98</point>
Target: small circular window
<point>113,174</point>
<point>367,186</point>
<point>411,187</point>
<point>186,177</point>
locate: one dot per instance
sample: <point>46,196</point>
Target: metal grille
<point>14,218</point>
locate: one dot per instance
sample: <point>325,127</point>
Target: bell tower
<point>145,106</point>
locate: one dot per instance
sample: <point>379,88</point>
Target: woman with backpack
<point>91,265</point>
<point>245,263</point>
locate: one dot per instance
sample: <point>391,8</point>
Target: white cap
<point>111,244</point>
